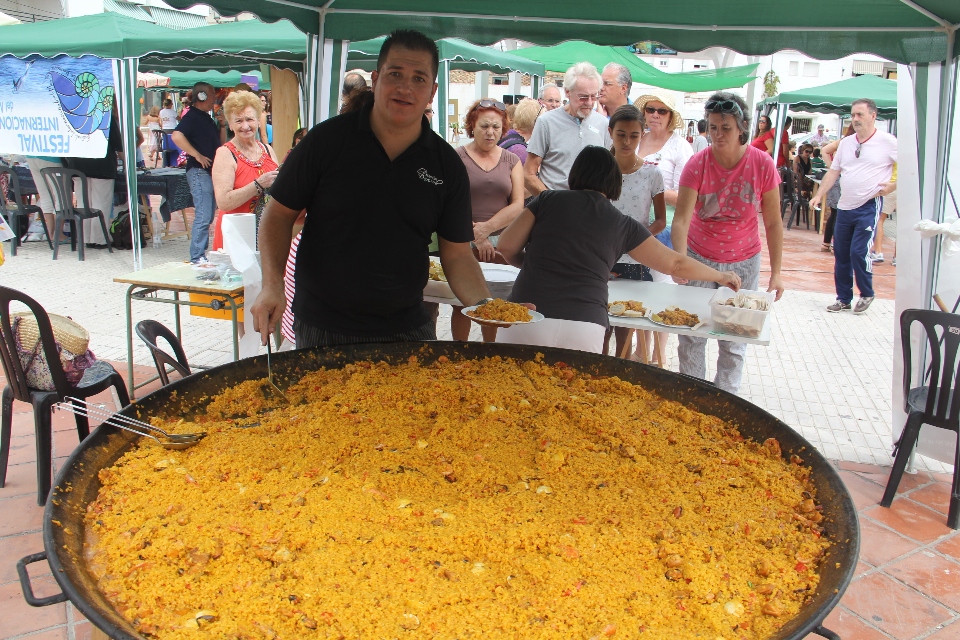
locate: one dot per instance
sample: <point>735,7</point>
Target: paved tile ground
<point>827,375</point>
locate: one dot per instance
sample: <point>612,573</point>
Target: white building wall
<point>32,10</point>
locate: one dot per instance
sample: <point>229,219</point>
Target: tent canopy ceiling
<point>837,97</point>
<point>563,56</point>
<point>110,35</point>
<point>901,31</point>
<point>461,54</point>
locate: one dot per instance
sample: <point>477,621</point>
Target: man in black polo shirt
<point>200,136</point>
<point>376,184</point>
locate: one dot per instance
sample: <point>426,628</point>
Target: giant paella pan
<point>68,527</point>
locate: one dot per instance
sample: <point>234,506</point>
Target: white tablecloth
<point>657,296</point>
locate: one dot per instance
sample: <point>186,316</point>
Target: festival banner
<point>59,107</point>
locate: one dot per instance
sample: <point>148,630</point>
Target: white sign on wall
<point>59,107</point>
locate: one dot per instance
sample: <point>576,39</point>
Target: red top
<point>784,140</point>
<point>760,142</point>
<point>248,171</point>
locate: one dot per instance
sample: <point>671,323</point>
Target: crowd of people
<point>573,188</point>
<point>858,188</point>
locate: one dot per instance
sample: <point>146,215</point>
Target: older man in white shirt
<point>864,165</point>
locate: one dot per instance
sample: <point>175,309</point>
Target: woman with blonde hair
<point>244,168</point>
<point>524,117</point>
<point>153,124</point>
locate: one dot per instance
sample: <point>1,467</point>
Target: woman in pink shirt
<point>723,191</point>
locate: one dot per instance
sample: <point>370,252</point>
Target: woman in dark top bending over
<point>566,242</point>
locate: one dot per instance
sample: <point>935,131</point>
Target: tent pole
<point>781,124</point>
<point>125,80</point>
<point>948,93</point>
<point>535,82</point>
<point>443,99</point>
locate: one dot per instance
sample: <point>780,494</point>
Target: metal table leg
<point>131,388</point>
<point>233,317</point>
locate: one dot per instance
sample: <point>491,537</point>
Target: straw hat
<point>676,120</point>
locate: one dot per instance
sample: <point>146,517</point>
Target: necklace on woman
<point>247,153</point>
<point>636,163</point>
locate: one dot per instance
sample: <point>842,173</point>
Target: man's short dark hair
<point>351,82</point>
<point>412,40</point>
<point>596,169</point>
<point>870,104</point>
<point>701,126</point>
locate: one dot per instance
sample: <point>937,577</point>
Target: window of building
<point>811,69</point>
<point>794,68</point>
<point>501,80</point>
<point>801,125</point>
<point>663,63</point>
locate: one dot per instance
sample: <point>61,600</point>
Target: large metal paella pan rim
<point>77,483</point>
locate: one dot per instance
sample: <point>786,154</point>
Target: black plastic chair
<point>149,331</point>
<point>935,404</point>
<point>786,194</point>
<point>19,218</point>
<point>61,182</point>
<point>793,201</point>
<point>98,378</point>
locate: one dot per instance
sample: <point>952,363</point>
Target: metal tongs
<point>273,388</point>
<point>169,441</point>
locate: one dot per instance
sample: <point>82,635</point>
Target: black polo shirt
<point>202,132</point>
<point>362,262</point>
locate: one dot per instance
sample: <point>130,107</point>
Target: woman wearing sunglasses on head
<point>496,192</point>
<point>663,147</point>
<point>723,191</point>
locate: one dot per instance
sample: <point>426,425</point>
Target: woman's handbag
<point>72,342</point>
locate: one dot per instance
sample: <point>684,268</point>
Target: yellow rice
<point>456,500</point>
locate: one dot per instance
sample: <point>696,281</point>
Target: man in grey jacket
<point>561,134</point>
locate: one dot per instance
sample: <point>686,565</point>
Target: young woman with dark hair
<point>565,244</point>
<point>642,192</point>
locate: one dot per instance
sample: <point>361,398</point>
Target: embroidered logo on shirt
<point>426,177</point>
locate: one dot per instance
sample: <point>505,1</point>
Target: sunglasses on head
<point>653,110</point>
<point>496,104</point>
<point>723,106</point>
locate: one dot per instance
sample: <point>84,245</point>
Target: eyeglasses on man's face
<point>587,97</point>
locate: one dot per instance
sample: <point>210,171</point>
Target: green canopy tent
<point>837,97</point>
<point>127,40</point>
<point>184,80</point>
<point>563,56</point>
<point>105,35</point>
<point>233,45</point>
<point>914,31</point>
<point>454,54</point>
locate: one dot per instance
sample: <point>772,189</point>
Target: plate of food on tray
<point>628,309</point>
<point>501,313</point>
<point>676,317</point>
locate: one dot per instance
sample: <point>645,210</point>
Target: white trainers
<point>876,257</point>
